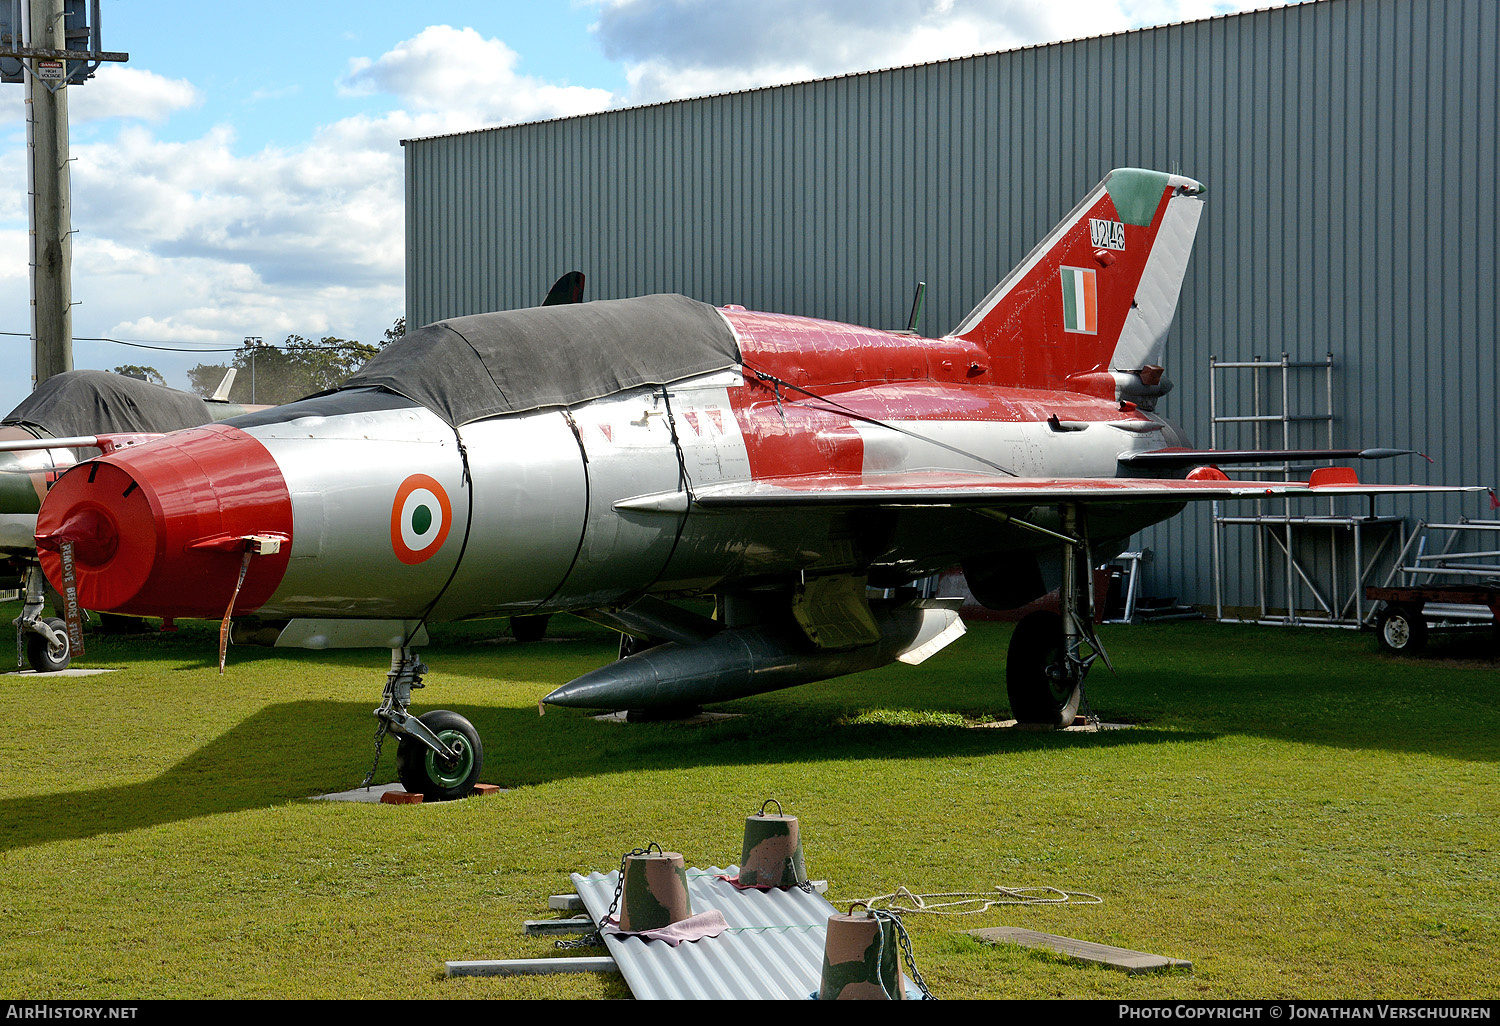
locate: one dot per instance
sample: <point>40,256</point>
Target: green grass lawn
<point>1294,813</point>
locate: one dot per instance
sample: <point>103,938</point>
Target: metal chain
<point>593,940</point>
<point>805,886</point>
<point>1086,707</point>
<point>380,732</point>
<point>589,940</point>
<point>904,939</point>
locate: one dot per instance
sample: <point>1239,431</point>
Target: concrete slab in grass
<point>1085,951</point>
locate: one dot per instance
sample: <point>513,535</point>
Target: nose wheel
<point>422,770</point>
<point>438,754</point>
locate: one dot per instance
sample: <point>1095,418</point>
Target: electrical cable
<point>834,406</point>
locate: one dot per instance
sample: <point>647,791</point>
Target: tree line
<point>280,373</point>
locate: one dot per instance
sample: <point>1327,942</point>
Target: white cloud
<point>459,72</point>
<point>121,92</point>
<point>676,48</point>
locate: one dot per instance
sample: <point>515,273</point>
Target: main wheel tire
<point>1032,681</point>
<point>529,628</point>
<point>421,771</point>
<point>1401,630</point>
<point>45,657</point>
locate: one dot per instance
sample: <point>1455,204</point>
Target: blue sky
<point>242,174</point>
<point>272,67</point>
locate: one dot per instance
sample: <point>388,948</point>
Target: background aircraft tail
<point>1089,308</point>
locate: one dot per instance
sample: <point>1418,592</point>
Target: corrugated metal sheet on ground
<point>772,949</point>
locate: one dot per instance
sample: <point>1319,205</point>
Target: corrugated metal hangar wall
<point>1350,153</point>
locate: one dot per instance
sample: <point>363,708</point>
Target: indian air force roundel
<point>420,518</point>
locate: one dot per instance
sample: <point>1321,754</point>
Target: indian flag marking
<point>420,519</point>
<point>1080,296</point>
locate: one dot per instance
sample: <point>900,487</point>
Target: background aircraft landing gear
<point>44,640</point>
<point>438,754</point>
<point>48,655</point>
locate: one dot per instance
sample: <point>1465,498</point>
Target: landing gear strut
<point>44,640</point>
<point>438,754</point>
<point>1050,654</point>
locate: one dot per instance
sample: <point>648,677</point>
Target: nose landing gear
<point>438,754</point>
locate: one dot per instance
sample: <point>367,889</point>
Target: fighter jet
<point>68,417</point>
<point>609,458</point>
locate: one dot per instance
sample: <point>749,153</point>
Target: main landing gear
<point>438,754</point>
<point>1050,654</point>
<point>44,639</point>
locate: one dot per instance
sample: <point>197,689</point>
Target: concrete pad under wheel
<point>395,794</point>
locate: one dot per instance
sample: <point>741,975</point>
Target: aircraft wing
<point>940,488</point>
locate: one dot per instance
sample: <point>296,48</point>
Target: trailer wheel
<point>1400,629</point>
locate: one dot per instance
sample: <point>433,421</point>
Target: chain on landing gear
<point>40,641</point>
<point>438,754</point>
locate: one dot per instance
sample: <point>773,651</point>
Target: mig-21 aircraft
<point>607,458</point>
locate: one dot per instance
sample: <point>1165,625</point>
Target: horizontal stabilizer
<point>1175,458</point>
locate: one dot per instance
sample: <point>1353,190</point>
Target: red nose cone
<point>157,528</point>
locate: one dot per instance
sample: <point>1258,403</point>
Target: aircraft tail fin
<point>1089,308</point>
<point>221,394</point>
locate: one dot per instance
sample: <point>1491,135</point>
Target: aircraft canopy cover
<point>468,368</point>
<point>91,402</point>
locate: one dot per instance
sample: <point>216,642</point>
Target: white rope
<point>904,901</point>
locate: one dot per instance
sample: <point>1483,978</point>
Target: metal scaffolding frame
<point>1340,598</point>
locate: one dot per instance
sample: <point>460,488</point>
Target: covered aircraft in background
<point>606,458</point>
<point>73,416</point>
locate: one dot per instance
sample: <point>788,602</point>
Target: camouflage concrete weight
<point>772,853</point>
<point>860,960</point>
<point>655,894</point>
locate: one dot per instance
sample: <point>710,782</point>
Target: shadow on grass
<point>298,750</point>
<point>1190,682</point>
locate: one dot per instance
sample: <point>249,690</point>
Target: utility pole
<point>253,341</point>
<point>37,46</point>
<point>51,206</point>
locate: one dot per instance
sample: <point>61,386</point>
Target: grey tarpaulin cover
<point>90,402</point>
<point>467,368</point>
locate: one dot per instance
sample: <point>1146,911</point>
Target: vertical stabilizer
<point>1089,308</point>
